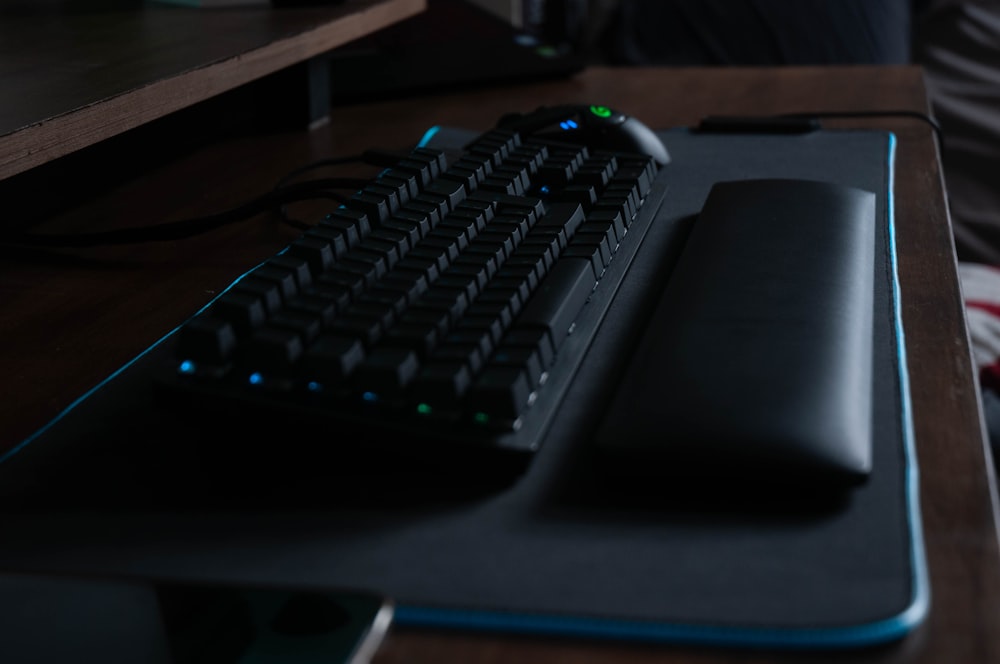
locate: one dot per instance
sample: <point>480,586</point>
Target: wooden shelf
<point>74,78</point>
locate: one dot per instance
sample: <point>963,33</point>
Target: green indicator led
<point>424,409</point>
<point>601,111</point>
<point>481,418</point>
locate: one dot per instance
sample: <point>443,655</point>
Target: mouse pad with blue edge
<point>118,485</point>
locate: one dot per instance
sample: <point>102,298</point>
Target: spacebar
<point>559,298</point>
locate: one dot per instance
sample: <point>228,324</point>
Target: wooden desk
<point>78,75</point>
<point>71,317</point>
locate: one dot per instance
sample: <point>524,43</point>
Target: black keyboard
<point>445,307</point>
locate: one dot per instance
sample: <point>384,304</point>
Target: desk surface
<point>72,317</point>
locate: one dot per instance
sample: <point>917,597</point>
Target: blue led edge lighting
<point>86,395</point>
<point>850,636</point>
<point>428,135</point>
<point>648,632</point>
<point>921,582</point>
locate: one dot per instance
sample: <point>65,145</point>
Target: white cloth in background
<point>981,292</point>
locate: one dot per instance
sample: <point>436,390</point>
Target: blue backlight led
<point>256,378</point>
<point>569,124</point>
<point>428,135</point>
<point>370,397</point>
<point>313,386</point>
<point>187,367</point>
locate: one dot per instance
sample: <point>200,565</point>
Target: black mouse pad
<point>118,485</point>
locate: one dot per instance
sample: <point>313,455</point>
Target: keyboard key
<point>351,218</point>
<point>450,191</point>
<point>500,395</point>
<point>315,251</point>
<point>441,385</point>
<point>374,205</point>
<point>419,336</point>
<point>265,290</point>
<point>386,371</point>
<point>330,360</point>
<point>272,349</point>
<point>317,307</point>
<point>523,358</point>
<point>564,215</point>
<point>306,326</point>
<point>206,339</point>
<point>298,268</point>
<point>559,298</point>
<point>243,310</point>
<point>534,339</point>
<point>336,238</point>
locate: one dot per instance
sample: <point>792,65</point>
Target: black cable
<point>373,156</point>
<point>319,163</point>
<point>302,225</point>
<point>323,184</point>
<point>321,189</point>
<point>177,230</point>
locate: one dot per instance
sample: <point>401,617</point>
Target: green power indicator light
<point>424,409</point>
<point>601,111</point>
<point>481,418</point>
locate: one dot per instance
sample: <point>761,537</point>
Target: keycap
<point>559,298</point>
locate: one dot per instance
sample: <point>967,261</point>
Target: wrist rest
<point>757,361</point>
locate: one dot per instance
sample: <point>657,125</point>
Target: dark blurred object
<point>562,22</point>
<point>94,620</point>
<point>958,44</point>
<point>452,44</point>
<point>753,32</point>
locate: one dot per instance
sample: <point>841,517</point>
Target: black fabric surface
<point>122,486</point>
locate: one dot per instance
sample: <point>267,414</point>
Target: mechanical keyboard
<point>448,302</point>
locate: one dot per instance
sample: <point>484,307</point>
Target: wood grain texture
<point>71,317</point>
<point>73,79</point>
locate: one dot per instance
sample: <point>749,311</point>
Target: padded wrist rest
<point>757,361</point>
